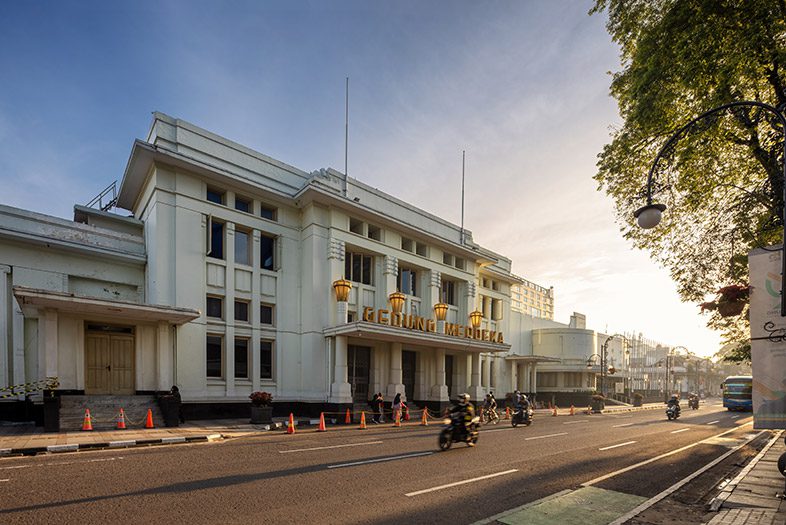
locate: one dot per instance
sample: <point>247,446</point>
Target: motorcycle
<point>693,403</point>
<point>454,431</point>
<point>672,412</point>
<point>522,416</point>
<point>490,416</point>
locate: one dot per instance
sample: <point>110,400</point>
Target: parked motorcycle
<point>672,412</point>
<point>522,416</point>
<point>454,431</point>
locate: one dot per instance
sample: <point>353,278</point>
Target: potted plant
<point>598,402</point>
<point>261,407</point>
<point>729,301</point>
<point>637,399</point>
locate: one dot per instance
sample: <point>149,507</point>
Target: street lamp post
<point>650,215</point>
<point>603,362</point>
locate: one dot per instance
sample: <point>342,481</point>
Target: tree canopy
<point>722,181</point>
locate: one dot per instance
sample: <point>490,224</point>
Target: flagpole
<point>463,157</point>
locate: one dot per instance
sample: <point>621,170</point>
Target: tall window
<point>266,359</point>
<point>242,252</point>
<point>358,267</point>
<point>215,356</point>
<point>241,311</point>
<point>215,307</point>
<point>266,314</point>
<point>448,292</point>
<point>216,240</point>
<point>241,358</point>
<point>407,281</point>
<point>267,247</point>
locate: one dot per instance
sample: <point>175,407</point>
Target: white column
<point>475,389</point>
<point>513,375</point>
<point>340,390</point>
<point>165,376</point>
<point>5,333</point>
<point>485,382</point>
<point>229,311</point>
<point>395,384</point>
<point>533,378</point>
<point>18,359</point>
<point>439,392</point>
<point>47,327</point>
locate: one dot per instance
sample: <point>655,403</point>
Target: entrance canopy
<point>528,359</point>
<point>66,302</point>
<point>396,334</point>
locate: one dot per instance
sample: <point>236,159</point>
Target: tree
<point>722,181</point>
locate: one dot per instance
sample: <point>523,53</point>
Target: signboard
<point>768,340</point>
<point>619,388</point>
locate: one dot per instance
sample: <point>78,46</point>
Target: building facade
<point>532,299</point>
<point>224,280</point>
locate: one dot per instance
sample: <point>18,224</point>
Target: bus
<point>737,393</point>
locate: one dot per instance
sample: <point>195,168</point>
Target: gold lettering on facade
<point>368,314</point>
<point>382,316</point>
<point>484,335</point>
<point>397,319</point>
<point>431,325</point>
<point>421,324</point>
<point>451,329</point>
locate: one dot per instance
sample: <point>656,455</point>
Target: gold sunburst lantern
<point>342,288</point>
<point>440,310</point>
<point>475,318</point>
<point>397,301</point>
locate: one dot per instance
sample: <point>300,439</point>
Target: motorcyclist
<point>464,412</point>
<point>674,400</point>
<point>693,399</point>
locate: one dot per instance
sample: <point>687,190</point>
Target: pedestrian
<point>175,393</point>
<point>376,406</point>
<point>396,407</point>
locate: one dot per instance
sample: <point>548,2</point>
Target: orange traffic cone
<point>348,419</point>
<point>87,424</point>
<point>321,423</point>
<point>554,410</point>
<point>291,424</point>
<point>572,411</point>
<point>507,412</point>
<point>424,419</point>
<point>362,421</point>
<point>406,413</point>
<point>121,420</point>
<point>149,419</point>
<point>397,422</point>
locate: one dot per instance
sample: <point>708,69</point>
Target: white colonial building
<point>224,279</point>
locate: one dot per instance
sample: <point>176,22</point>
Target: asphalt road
<point>381,475</point>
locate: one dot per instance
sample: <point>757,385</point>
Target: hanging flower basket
<point>731,308</point>
<point>730,301</point>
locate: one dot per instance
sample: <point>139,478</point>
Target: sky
<point>521,86</point>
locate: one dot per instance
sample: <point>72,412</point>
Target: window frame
<point>247,342</point>
<point>220,338</point>
<point>273,256</point>
<point>248,310</point>
<point>272,308</point>
<point>207,307</point>
<point>272,351</point>
<point>248,261</point>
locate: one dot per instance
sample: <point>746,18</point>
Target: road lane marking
<point>623,425</point>
<point>5,480</point>
<point>499,430</point>
<point>331,446</point>
<point>734,417</point>
<point>455,484</point>
<point>656,458</point>
<point>713,422</point>
<point>546,436</point>
<point>15,467</point>
<point>618,445</point>
<point>680,430</point>
<point>574,422</point>
<point>60,463</point>
<point>378,460</point>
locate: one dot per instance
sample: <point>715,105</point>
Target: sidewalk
<point>750,498</point>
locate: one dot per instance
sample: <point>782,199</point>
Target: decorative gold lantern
<point>475,318</point>
<point>440,310</point>
<point>342,288</point>
<point>397,301</point>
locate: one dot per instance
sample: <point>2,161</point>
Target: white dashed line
<point>332,446</point>
<point>379,460</point>
<point>546,436</point>
<point>623,425</point>
<point>618,445</point>
<point>713,422</point>
<point>449,485</point>
<point>680,430</point>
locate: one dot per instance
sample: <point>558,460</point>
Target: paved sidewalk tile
<point>743,517</point>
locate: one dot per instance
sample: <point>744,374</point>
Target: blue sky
<point>522,86</point>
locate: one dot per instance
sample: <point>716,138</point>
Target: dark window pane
<point>241,247</point>
<point>217,241</point>
<point>213,356</point>
<point>266,314</point>
<point>366,269</point>
<point>215,196</point>
<point>348,266</point>
<point>215,307</point>
<point>241,358</point>
<point>267,245</point>
<point>266,360</point>
<point>241,311</point>
<point>267,213</point>
<point>356,262</point>
<point>242,205</point>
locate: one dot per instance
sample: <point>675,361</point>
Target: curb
<point>57,449</point>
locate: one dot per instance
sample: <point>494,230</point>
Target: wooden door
<point>109,364</point>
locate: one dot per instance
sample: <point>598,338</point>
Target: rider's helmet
<point>516,392</point>
<point>463,399</point>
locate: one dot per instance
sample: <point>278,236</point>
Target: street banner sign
<point>768,339</point>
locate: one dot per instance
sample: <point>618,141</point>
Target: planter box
<point>261,415</point>
<point>170,410</point>
<point>597,406</point>
<point>637,401</point>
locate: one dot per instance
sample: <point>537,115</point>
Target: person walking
<point>376,405</point>
<point>397,407</point>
